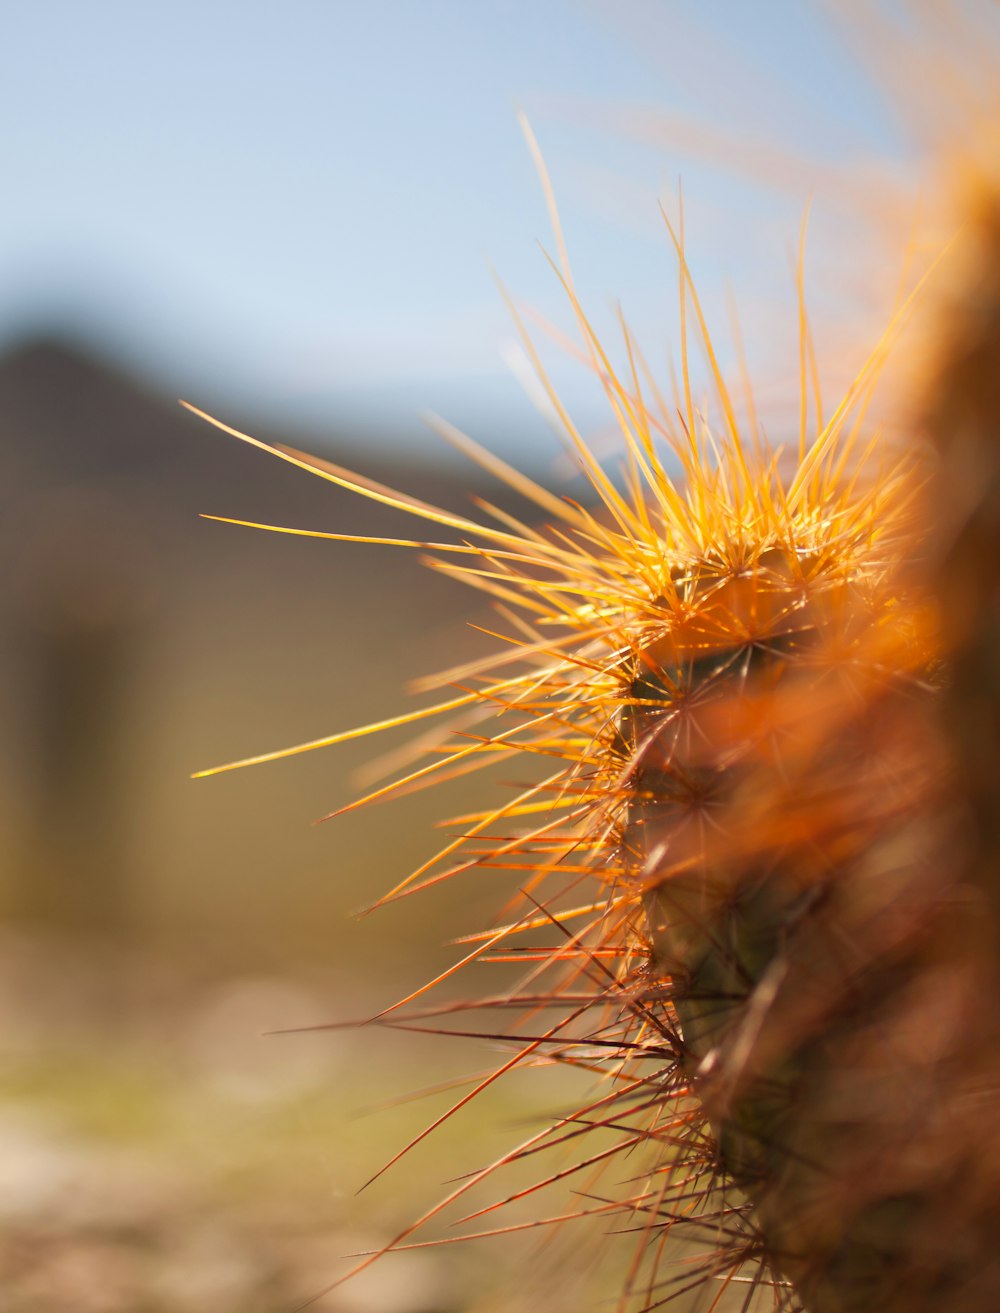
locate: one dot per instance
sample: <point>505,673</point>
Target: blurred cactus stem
<point>964,414</point>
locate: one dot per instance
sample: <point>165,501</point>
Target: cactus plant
<point>764,858</point>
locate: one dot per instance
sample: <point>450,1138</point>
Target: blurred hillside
<point>139,642</point>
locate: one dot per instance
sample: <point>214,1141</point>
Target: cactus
<point>766,849</point>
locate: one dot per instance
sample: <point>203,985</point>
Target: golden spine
<point>774,920</point>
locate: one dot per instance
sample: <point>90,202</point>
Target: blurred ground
<point>187,1161</point>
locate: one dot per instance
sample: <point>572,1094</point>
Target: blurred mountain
<point>139,642</point>
<point>67,416</point>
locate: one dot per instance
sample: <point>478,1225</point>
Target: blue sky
<point>293,210</point>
